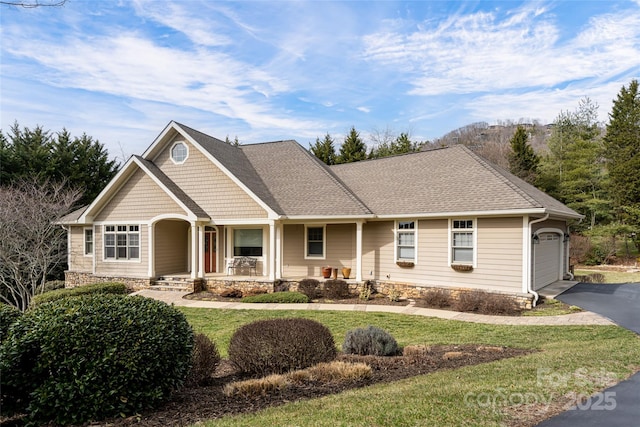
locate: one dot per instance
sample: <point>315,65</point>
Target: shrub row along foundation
<point>336,287</point>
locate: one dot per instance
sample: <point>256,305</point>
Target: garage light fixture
<point>535,238</point>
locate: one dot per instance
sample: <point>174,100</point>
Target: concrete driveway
<point>620,303</point>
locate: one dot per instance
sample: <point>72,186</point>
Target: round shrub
<point>276,346</point>
<point>336,289</point>
<point>8,315</point>
<point>370,341</point>
<point>309,287</point>
<point>204,362</point>
<point>91,357</point>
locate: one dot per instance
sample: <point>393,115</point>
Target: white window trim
<point>171,152</point>
<point>115,259</point>
<point>324,242</point>
<point>265,240</point>
<point>84,241</point>
<point>396,230</point>
<point>475,241</point>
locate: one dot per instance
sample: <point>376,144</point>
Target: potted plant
<point>346,272</point>
<point>326,272</point>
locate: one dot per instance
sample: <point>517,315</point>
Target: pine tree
<point>523,161</point>
<point>573,171</point>
<point>622,152</point>
<point>353,149</point>
<point>324,150</point>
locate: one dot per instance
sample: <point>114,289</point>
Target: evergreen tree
<point>83,163</point>
<point>573,171</point>
<point>353,149</point>
<point>523,161</point>
<point>622,144</point>
<point>324,150</point>
<point>403,144</point>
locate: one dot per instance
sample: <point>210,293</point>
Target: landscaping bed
<point>382,300</point>
<point>191,405</point>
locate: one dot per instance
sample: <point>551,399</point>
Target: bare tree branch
<point>32,244</point>
<point>33,4</point>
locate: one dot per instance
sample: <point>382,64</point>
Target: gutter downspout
<point>536,297</point>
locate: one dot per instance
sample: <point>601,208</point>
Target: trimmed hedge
<point>370,341</point>
<point>278,297</point>
<point>8,316</point>
<point>276,346</point>
<point>96,288</point>
<point>92,357</point>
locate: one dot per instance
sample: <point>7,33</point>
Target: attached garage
<point>547,259</point>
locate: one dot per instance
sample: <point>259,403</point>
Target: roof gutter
<point>531,257</point>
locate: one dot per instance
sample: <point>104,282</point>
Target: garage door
<point>547,260</point>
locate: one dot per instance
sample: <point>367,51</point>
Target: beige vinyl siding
<point>140,198</point>
<point>498,252</point>
<point>136,268</point>
<point>77,260</point>
<point>340,250</point>
<point>171,247</point>
<point>208,186</point>
<point>550,223</point>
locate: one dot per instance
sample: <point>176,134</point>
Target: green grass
<point>551,307</point>
<point>612,276</point>
<point>439,398</point>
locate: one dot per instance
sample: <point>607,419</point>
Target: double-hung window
<point>406,241</point>
<point>462,241</point>
<point>315,242</point>
<point>122,242</point>
<point>88,241</point>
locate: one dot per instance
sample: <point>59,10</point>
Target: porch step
<point>178,284</point>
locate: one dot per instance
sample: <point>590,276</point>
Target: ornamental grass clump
<point>276,346</point>
<point>371,340</point>
<point>205,360</point>
<point>92,357</point>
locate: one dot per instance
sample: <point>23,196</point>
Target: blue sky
<point>271,70</point>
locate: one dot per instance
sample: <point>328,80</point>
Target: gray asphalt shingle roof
<point>293,182</point>
<point>445,180</point>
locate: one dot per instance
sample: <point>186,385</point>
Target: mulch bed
<point>191,405</point>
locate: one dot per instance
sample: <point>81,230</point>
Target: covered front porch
<point>187,251</point>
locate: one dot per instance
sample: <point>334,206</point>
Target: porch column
<point>279,251</point>
<point>194,250</point>
<point>272,251</point>
<point>201,251</point>
<point>359,251</point>
<point>151,251</point>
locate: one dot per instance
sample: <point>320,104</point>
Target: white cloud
<point>479,52</point>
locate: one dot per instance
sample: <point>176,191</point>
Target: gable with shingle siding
<point>207,185</point>
<point>139,198</point>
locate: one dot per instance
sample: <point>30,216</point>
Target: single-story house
<point>191,204</point>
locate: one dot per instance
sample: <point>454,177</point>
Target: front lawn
<point>574,361</point>
<point>611,275</point>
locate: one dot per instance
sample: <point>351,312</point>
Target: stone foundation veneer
<point>406,290</point>
<point>73,279</point>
